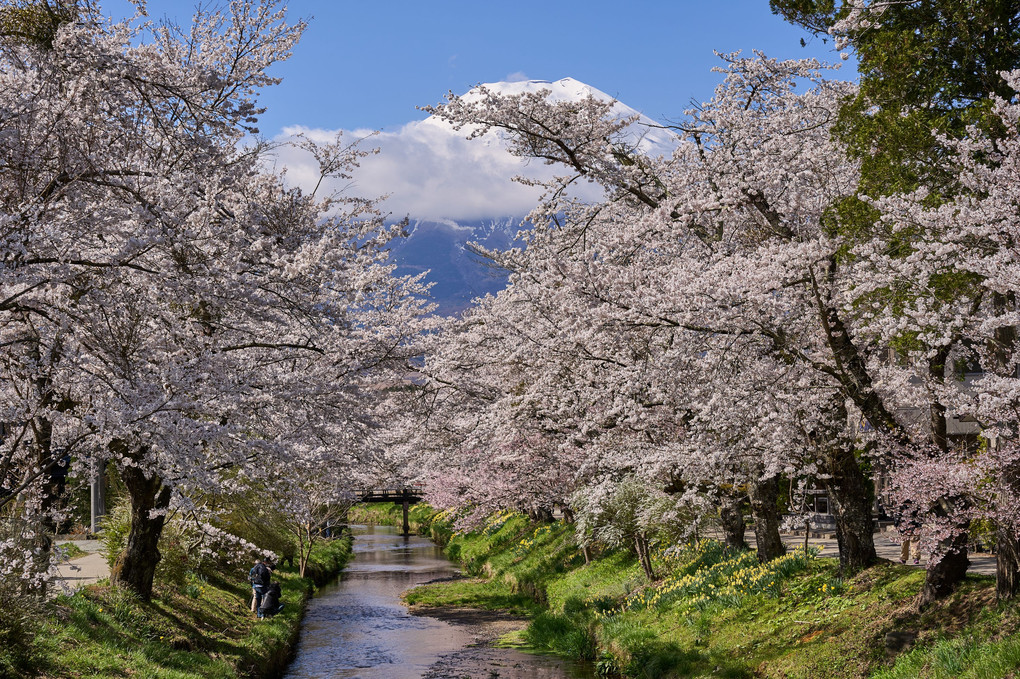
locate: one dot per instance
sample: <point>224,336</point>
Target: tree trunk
<point>541,515</point>
<point>46,525</point>
<point>942,577</point>
<point>732,519</point>
<point>850,495</point>
<point>1007,552</point>
<point>50,481</point>
<point>764,495</point>
<point>1007,563</point>
<point>1007,544</point>
<point>305,542</point>
<point>641,545</point>
<point>135,568</point>
<point>854,378</point>
<point>345,521</point>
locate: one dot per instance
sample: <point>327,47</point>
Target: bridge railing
<point>387,494</point>
<point>405,496</point>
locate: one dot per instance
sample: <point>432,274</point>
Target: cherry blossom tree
<point>955,290</point>
<point>172,306</point>
<point>930,76</point>
<point>747,240</point>
<point>722,240</point>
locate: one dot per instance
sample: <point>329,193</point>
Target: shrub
<point>19,623</point>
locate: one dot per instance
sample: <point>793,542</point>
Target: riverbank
<point>716,613</point>
<point>200,628</point>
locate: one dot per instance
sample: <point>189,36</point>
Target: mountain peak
<point>564,89</point>
<point>648,136</point>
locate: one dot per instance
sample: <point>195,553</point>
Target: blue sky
<point>364,66</point>
<point>368,64</point>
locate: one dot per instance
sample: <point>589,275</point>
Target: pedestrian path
<point>85,570</point>
<point>981,563</point>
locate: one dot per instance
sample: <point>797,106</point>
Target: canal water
<point>358,626</point>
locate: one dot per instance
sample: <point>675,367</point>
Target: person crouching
<point>271,604</point>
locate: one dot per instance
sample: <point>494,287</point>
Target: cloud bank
<point>428,171</point>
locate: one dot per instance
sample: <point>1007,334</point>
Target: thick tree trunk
<point>941,579</point>
<point>732,519</point>
<point>135,568</point>
<point>850,496</point>
<point>50,481</point>
<point>764,495</point>
<point>1007,544</point>
<point>1007,564</point>
<point>540,514</point>
<point>46,525</point>
<point>1007,553</point>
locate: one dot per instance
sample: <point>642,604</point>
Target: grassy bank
<point>201,629</point>
<point>718,613</point>
<point>391,514</point>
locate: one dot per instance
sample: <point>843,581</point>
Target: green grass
<point>562,634</point>
<point>204,629</point>
<point>391,514</point>
<point>490,595</point>
<point>715,613</point>
<point>987,648</point>
<point>600,586</point>
<point>70,551</point>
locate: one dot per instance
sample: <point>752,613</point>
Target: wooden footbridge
<point>406,496</point>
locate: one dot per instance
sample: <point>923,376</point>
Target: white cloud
<point>429,171</point>
<point>516,77</point>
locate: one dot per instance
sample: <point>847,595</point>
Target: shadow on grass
<point>653,660</point>
<point>486,595</point>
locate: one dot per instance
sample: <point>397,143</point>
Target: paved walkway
<point>84,570</point>
<point>980,562</point>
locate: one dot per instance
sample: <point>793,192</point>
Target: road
<point>85,570</point>
<point>980,562</point>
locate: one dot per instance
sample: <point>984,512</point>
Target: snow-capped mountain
<point>650,137</point>
<point>457,274</point>
<point>438,243</point>
<point>453,190</point>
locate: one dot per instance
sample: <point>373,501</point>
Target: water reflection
<point>359,628</point>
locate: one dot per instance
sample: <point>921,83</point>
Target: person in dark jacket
<point>258,576</point>
<point>271,601</point>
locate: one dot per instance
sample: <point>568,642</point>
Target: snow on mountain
<point>457,274</point>
<point>454,190</point>
<point>649,137</point>
<point>438,244</point>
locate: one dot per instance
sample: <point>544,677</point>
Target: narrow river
<point>358,626</point>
